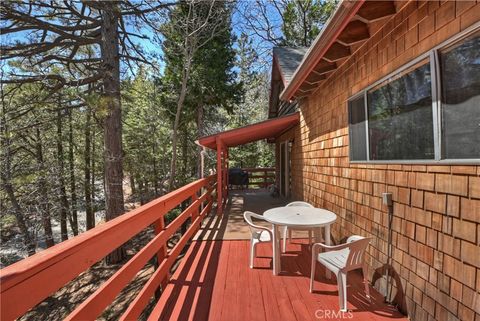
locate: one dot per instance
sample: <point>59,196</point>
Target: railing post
<point>210,194</point>
<point>226,171</point>
<point>225,174</point>
<point>162,253</point>
<point>219,177</point>
<point>265,178</point>
<point>195,213</point>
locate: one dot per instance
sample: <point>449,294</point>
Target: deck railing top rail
<point>28,282</point>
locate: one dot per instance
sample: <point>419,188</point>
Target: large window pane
<point>356,117</point>
<point>460,78</point>
<point>400,117</point>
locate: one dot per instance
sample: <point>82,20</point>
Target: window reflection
<point>460,78</point>
<point>356,115</point>
<point>400,116</point>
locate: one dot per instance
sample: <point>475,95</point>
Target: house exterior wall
<point>287,136</point>
<point>436,230</point>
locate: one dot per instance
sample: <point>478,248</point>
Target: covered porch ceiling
<point>267,129</point>
<point>221,142</point>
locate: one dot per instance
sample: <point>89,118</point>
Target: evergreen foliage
<point>54,105</point>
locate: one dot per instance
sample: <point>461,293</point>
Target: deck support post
<point>226,172</point>
<point>195,213</point>
<point>219,177</point>
<point>159,226</point>
<point>202,162</point>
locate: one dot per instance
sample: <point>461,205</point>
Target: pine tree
<point>199,59</point>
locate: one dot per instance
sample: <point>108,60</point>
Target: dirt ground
<point>65,300</point>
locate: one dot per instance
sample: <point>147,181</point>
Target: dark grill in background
<point>237,176</point>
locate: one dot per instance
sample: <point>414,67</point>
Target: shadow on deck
<point>214,282</point>
<point>231,225</point>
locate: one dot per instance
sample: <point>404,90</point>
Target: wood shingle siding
<point>436,224</point>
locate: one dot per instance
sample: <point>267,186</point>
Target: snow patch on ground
<point>14,250</point>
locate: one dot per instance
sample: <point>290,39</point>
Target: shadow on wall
<point>313,148</point>
<point>322,120</point>
<point>313,157</point>
<point>393,291</point>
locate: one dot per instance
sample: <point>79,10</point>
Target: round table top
<point>300,216</point>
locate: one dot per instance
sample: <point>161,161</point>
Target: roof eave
<point>345,11</point>
<point>255,131</point>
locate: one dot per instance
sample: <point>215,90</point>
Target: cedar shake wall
<point>436,230</point>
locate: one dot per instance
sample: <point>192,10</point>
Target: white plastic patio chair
<point>341,259</point>
<point>286,230</point>
<point>259,233</point>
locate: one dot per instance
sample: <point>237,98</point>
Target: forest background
<point>101,103</point>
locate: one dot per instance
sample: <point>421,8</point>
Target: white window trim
<point>432,55</point>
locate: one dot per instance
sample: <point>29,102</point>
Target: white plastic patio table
<point>297,217</point>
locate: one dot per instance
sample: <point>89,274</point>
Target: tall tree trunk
<point>113,122</point>
<point>180,101</point>
<point>305,26</point>
<point>6,173</point>
<point>89,216</point>
<point>64,207</point>
<point>184,156</point>
<point>18,212</point>
<point>44,203</point>
<point>141,188</point>
<point>73,186</point>
<point>132,184</point>
<point>93,170</point>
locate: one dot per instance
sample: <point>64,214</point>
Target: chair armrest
<point>317,246</point>
<point>260,217</point>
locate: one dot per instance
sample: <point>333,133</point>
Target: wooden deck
<point>214,282</point>
<point>232,226</point>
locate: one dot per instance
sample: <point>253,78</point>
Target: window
<point>423,112</point>
<point>460,98</point>
<point>356,116</point>
<point>400,116</point>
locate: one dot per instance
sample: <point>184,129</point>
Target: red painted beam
<point>263,130</point>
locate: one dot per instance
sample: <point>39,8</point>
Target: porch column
<point>226,171</point>
<point>202,162</point>
<point>219,177</point>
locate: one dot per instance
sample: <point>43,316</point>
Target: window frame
<point>354,97</point>
<point>433,56</point>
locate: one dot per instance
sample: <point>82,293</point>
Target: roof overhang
<point>352,23</point>
<point>285,61</point>
<point>275,88</point>
<point>267,129</point>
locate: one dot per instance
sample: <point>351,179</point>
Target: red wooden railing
<point>260,177</point>
<point>30,281</point>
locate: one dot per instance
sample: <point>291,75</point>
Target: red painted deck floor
<point>214,282</point>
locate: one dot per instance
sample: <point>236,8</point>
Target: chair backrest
<point>299,204</point>
<point>357,246</point>
<point>354,238</point>
<point>247,215</point>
